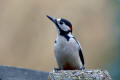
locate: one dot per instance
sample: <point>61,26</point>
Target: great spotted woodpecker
<point>67,49</point>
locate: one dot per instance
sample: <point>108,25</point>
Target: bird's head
<point>63,26</point>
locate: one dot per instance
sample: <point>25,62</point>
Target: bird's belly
<point>67,58</point>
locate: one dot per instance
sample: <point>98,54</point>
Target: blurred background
<point>27,36</point>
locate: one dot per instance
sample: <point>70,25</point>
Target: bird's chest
<point>63,47</point>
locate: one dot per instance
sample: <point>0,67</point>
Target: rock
<point>13,73</point>
<point>79,75</point>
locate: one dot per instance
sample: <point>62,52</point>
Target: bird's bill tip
<point>51,18</point>
<point>47,16</point>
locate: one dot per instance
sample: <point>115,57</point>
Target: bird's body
<point>67,57</point>
<point>67,49</point>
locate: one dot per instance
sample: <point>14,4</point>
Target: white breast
<point>67,52</point>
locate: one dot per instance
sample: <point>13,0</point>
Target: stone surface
<point>79,75</point>
<point>13,73</point>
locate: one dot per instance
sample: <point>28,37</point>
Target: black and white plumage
<point>68,51</point>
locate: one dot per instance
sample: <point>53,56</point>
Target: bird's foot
<point>56,69</point>
<point>82,68</point>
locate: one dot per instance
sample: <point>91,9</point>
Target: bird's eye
<point>61,22</point>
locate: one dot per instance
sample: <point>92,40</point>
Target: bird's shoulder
<point>76,42</point>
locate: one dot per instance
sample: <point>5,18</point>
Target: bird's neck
<point>66,36</point>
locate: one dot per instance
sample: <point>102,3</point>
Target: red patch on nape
<point>71,28</point>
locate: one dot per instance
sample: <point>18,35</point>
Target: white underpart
<point>67,51</point>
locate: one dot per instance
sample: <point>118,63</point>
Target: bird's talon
<point>57,69</point>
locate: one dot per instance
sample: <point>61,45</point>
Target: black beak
<point>52,19</point>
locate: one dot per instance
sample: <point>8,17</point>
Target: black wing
<point>81,56</point>
<point>80,52</point>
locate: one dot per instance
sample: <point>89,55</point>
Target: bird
<point>67,49</point>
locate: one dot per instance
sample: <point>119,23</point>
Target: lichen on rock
<point>79,75</point>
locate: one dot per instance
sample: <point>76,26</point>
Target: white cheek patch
<point>65,27</point>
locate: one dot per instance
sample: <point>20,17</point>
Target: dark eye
<point>61,22</point>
